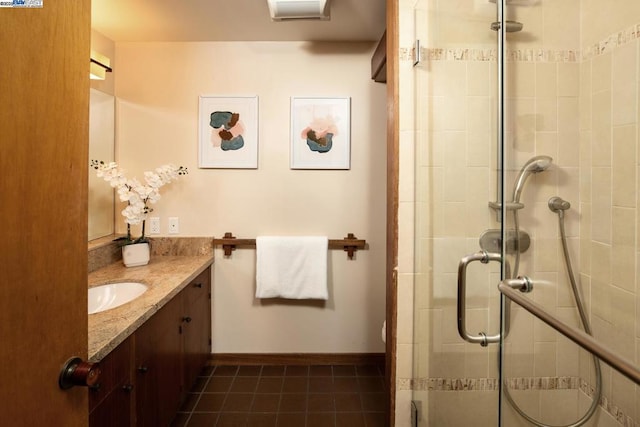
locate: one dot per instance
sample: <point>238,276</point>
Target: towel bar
<point>349,244</point>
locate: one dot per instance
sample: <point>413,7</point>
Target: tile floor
<point>288,396</point>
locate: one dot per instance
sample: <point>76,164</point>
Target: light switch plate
<point>174,225</point>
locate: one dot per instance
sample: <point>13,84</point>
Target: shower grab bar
<point>484,257</point>
<point>512,289</point>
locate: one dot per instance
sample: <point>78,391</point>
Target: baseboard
<point>297,359</point>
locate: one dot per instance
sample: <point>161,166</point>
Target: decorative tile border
<point>613,41</point>
<point>490,54</point>
<point>608,406</point>
<point>526,55</point>
<point>521,383</point>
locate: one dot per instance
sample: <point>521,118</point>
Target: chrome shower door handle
<point>482,338</point>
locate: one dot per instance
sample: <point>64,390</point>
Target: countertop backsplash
<point>105,251</point>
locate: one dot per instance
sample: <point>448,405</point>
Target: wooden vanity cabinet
<point>164,357</point>
<point>196,328</point>
<point>111,402</point>
<point>158,366</point>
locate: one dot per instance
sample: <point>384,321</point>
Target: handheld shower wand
<point>534,165</point>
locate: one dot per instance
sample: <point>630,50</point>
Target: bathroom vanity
<point>152,349</point>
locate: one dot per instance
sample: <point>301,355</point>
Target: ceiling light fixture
<point>285,10</point>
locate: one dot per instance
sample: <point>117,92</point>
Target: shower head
<point>534,165</point>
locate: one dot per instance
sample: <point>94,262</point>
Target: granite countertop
<point>166,276</point>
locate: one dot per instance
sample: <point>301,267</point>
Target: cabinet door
<point>158,366</point>
<point>197,330</point>
<point>115,410</point>
<point>111,403</point>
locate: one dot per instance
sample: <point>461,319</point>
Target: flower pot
<point>136,254</point>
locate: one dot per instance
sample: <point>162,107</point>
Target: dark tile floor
<point>288,396</point>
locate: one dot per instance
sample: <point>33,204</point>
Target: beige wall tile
<point>585,94</point>
<point>559,407</point>
<point>479,191</point>
<point>547,144</point>
<point>479,148</point>
<point>623,267</point>
<point>455,170</point>
<point>406,233</point>
<point>546,80</point>
<point>568,114</point>
<point>520,79</point>
<point>561,24</point>
<point>568,148</point>
<point>454,216</point>
<point>601,73</point>
<point>624,166</point>
<point>477,361</point>
<point>585,166</point>
<point>569,74</point>
<point>624,88</point>
<point>448,78</point>
<point>601,206</point>
<point>405,309</point>
<point>480,78</point>
<point>546,114</point>
<point>544,359</point>
<point>601,125</point>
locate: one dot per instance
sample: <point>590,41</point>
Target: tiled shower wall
<point>572,94</point>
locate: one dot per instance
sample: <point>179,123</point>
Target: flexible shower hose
<point>585,323</point>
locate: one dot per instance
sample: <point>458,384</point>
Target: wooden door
<point>44,110</point>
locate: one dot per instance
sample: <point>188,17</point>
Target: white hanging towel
<point>291,267</point>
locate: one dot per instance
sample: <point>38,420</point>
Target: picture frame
<point>320,133</point>
<point>228,132</point>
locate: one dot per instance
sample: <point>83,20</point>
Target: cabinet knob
<point>75,372</point>
<point>143,369</point>
<point>186,319</point>
<point>197,285</point>
<point>127,387</point>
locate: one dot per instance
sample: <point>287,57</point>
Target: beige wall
<point>157,89</point>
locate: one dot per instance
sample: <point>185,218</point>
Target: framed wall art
<point>228,132</point>
<point>320,133</point>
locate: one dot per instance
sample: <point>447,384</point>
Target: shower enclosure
<point>519,157</point>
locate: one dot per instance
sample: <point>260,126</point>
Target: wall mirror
<point>101,147</point>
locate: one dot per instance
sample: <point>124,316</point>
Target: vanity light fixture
<point>99,66</point>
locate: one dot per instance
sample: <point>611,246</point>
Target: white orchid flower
<point>134,192</point>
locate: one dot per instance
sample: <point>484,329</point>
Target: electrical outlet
<point>174,225</point>
<point>154,225</point>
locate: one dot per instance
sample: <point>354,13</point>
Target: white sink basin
<point>112,295</point>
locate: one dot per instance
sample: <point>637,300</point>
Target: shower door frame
<point>501,190</point>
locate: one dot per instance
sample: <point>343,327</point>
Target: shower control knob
<point>558,204</point>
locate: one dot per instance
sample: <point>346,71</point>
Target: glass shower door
<point>454,382</point>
